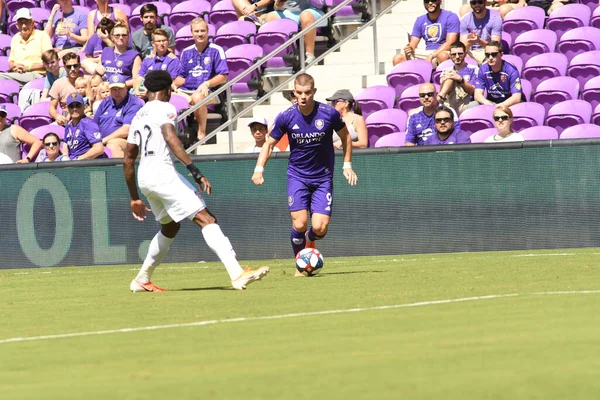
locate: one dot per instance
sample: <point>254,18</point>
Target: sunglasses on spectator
<point>429,1</point>
<point>428,94</point>
<point>121,35</point>
<point>49,144</point>
<point>473,2</point>
<point>492,54</point>
<point>444,120</point>
<point>72,66</point>
<point>75,105</point>
<point>501,118</point>
<point>333,102</point>
<point>457,54</point>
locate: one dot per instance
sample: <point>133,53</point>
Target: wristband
<point>259,169</point>
<point>196,174</point>
<point>28,158</point>
<point>347,164</point>
<point>207,84</point>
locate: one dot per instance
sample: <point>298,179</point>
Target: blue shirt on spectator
<point>198,67</point>
<point>50,79</point>
<point>111,116</point>
<point>434,32</point>
<point>81,137</point>
<point>499,86</point>
<point>488,26</point>
<point>169,62</point>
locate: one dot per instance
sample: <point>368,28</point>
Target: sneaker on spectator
<point>308,58</point>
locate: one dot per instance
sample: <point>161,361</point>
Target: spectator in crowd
<point>142,38</point>
<point>349,109</point>
<point>81,133</point>
<point>445,131</point>
<point>502,6</point>
<point>478,28</point>
<point>53,71</point>
<point>63,87</point>
<point>499,78</point>
<point>114,116</point>
<point>503,120</point>
<point>120,60</point>
<point>203,66</point>
<point>26,49</point>
<point>68,25</point>
<point>439,28</point>
<point>81,85</point>
<point>103,10</point>
<point>303,13</point>
<point>103,92</point>
<point>3,16</point>
<point>52,149</point>
<point>259,129</point>
<point>420,125</point>
<point>11,138</point>
<point>162,59</point>
<point>547,5</point>
<point>96,43</point>
<point>456,87</point>
<point>251,10</point>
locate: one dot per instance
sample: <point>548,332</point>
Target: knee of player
<point>320,228</point>
<point>170,229</point>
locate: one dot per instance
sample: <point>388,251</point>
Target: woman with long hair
<point>351,113</point>
<point>120,59</point>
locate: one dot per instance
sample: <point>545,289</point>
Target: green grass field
<point>327,337</point>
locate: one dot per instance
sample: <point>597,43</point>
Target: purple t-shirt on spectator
<point>421,126</point>
<point>111,116</point>
<point>94,46</point>
<point>490,25</point>
<point>500,86</point>
<point>434,32</point>
<point>168,63</point>
<point>74,22</point>
<point>311,139</point>
<point>81,137</point>
<point>456,137</point>
<point>121,64</point>
<point>198,67</point>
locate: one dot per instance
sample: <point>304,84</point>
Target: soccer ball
<point>309,262</point>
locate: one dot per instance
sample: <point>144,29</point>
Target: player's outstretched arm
<point>263,157</point>
<point>347,148</point>
<point>138,208</point>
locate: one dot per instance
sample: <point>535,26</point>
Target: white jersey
<point>156,161</point>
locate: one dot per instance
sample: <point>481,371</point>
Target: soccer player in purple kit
<point>82,134</point>
<point>309,125</point>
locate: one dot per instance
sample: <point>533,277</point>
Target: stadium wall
<point>514,196</point>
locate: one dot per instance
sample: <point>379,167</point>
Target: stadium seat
<point>514,60</point>
<point>556,90</point>
<point>526,89</point>
<point>353,14</point>
<point>394,139</point>
<point>107,152</point>
<point>578,41</point>
<point>595,20</point>
<point>4,66</point>
<point>384,122</point>
<point>375,98</point>
<point>5,44</point>
<point>240,59</point>
<point>526,115</point>
<point>410,98</point>
<point>409,73</point>
<point>539,133</point>
<point>123,7</point>
<point>592,4</point>
<point>585,66</point>
<point>523,19</point>
<point>183,13</point>
<point>35,84</point>
<point>582,131</point>
<point>481,135</point>
<point>435,78</point>
<point>272,35</point>
<point>544,66</point>
<point>131,3</point>
<point>477,118</point>
<point>532,43</point>
<point>596,115</point>
<point>35,116</point>
<point>135,21</point>
<point>9,92</point>
<point>234,34</point>
<point>568,17</point>
<point>41,131</point>
<point>569,113</point>
<point>222,13</point>
<point>13,5</point>
<point>13,112</point>
<point>506,43</point>
<point>591,91</point>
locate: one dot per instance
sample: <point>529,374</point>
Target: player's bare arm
<point>347,149</point>
<point>176,148</point>
<point>138,207</point>
<point>263,157</point>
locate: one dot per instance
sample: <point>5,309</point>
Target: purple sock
<point>312,236</point>
<point>298,241</point>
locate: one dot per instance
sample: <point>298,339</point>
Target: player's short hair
<point>156,81</point>
<point>496,44</point>
<point>304,79</point>
<point>199,20</point>
<point>160,32</point>
<point>49,56</point>
<point>458,45</point>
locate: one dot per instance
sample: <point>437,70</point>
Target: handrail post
<point>229,112</point>
<point>375,50</point>
<point>301,49</point>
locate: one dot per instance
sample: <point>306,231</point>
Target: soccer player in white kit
<point>172,198</point>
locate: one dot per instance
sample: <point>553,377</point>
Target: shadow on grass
<point>204,288</point>
<point>351,272</point>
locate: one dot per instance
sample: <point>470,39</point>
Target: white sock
<point>158,249</point>
<point>220,244</point>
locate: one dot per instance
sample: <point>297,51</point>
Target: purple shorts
<point>314,196</point>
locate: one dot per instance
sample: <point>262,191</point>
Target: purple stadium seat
<point>183,13</point>
<point>410,98</point>
<point>477,118</point>
<point>131,3</point>
<point>578,41</point>
<point>35,116</point>
<point>135,21</point>
<point>532,43</point>
<point>349,15</point>
<point>568,17</point>
<point>526,89</point>
<point>544,66</point>
<point>539,133</point>
<point>123,7</point>
<point>13,5</point>
<point>526,115</point>
<point>581,131</point>
<point>507,42</point>
<point>435,78</point>
<point>592,4</point>
<point>222,13</point>
<point>409,73</point>
<point>272,35</point>
<point>35,84</point>
<point>556,90</point>
<point>9,92</point>
<point>394,139</point>
<point>40,16</point>
<point>5,44</point>
<point>596,115</point>
<point>184,38</point>
<point>375,98</point>
<point>179,102</point>
<point>585,66</point>
<point>384,122</point>
<point>4,66</point>
<point>43,130</point>
<point>595,20</point>
<point>523,19</point>
<point>234,34</point>
<point>514,60</point>
<point>591,91</point>
<point>13,112</point>
<point>107,152</point>
<point>481,135</point>
<point>239,59</point>
<point>569,113</point>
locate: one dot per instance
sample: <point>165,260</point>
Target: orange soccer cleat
<point>136,286</point>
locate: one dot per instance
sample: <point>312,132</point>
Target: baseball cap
<point>3,110</point>
<point>117,81</point>
<point>342,94</point>
<point>23,13</point>
<point>74,98</point>
<point>258,120</point>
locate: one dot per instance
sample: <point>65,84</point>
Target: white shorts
<point>174,200</point>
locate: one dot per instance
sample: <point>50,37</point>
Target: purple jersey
<point>198,67</point>
<point>311,139</point>
<point>168,63</point>
<point>118,64</point>
<point>499,86</point>
<point>490,25</point>
<point>434,32</point>
<point>81,137</point>
<point>111,116</point>
<point>74,22</point>
<point>421,126</point>
<point>456,137</point>
<point>94,46</point>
